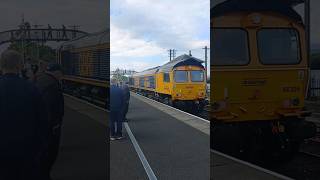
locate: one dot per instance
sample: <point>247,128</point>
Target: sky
<point>91,15</point>
<point>142,31</point>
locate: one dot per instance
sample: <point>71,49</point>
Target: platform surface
<point>229,168</point>
<point>84,147</point>
<point>174,144</point>
<point>173,149</point>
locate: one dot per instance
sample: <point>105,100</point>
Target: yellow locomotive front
<point>182,83</point>
<point>259,80</point>
<point>260,69</point>
<point>189,83</point>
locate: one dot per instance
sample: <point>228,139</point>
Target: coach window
<point>166,77</point>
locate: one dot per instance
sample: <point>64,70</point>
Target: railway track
<point>305,166</point>
<point>310,154</point>
<point>89,100</point>
<point>203,115</point>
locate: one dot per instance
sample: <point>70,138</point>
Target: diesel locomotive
<point>180,83</point>
<point>259,70</point>
<point>86,66</point>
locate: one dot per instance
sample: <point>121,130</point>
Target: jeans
<point>116,118</point>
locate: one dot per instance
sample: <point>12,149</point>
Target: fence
<point>314,89</point>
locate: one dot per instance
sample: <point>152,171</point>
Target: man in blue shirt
<point>116,112</point>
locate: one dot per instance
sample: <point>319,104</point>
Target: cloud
<point>133,64</point>
<point>147,29</point>
<point>123,44</point>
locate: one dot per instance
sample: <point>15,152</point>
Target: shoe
<point>112,138</point>
<point>119,137</point>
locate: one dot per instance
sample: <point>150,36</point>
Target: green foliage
<point>35,51</point>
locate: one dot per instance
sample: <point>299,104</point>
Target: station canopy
<point>284,7</point>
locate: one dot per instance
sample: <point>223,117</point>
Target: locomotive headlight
<point>286,103</point>
<point>256,19</point>
<point>295,101</point>
<point>291,102</point>
<point>253,20</point>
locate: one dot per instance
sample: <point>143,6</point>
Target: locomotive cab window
<point>197,76</point>
<point>230,46</point>
<point>166,77</point>
<point>278,46</point>
<point>181,76</point>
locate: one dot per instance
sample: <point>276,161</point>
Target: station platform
<point>224,167</point>
<point>175,145</point>
<point>84,150</point>
<point>160,143</point>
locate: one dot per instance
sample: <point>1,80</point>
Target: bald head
<point>11,62</point>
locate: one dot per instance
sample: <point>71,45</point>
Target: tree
<point>34,51</point>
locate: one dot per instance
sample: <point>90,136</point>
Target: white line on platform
<point>251,165</point>
<point>207,121</point>
<point>142,158</point>
<point>85,102</point>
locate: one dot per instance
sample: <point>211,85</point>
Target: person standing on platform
<point>24,124</point>
<point>49,85</point>
<point>126,91</point>
<point>116,111</point>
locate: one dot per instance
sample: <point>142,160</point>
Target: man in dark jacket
<point>116,112</point>
<point>126,92</point>
<point>24,125</point>
<point>50,88</point>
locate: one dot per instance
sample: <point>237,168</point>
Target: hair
<point>113,81</point>
<point>11,61</point>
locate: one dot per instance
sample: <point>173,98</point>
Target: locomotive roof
<point>88,40</point>
<point>283,7</point>
<point>147,71</point>
<point>183,60</point>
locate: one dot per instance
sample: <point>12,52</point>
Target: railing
<point>40,35</point>
<point>314,89</point>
